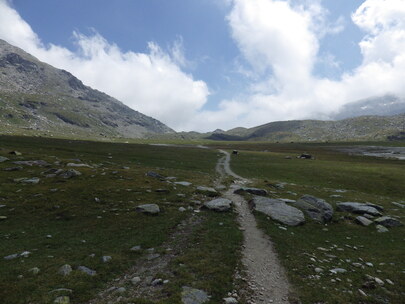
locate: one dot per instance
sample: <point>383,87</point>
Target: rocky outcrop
<point>357,208</point>
<point>316,208</point>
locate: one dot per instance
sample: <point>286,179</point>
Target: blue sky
<point>225,63</point>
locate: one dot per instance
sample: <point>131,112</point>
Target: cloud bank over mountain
<point>279,41</point>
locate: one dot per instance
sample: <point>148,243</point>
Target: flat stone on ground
<point>278,211</point>
<point>363,221</point>
<point>148,208</point>
<point>219,204</point>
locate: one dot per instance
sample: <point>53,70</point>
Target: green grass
<point>378,181</point>
<point>81,227</point>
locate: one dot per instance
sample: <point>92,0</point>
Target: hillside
<point>37,98</point>
<point>358,128</point>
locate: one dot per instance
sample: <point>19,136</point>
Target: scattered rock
<point>219,204</point>
<point>388,221</point>
<point>363,221</point>
<point>338,270</point>
<point>87,270</point>
<point>11,256</point>
<point>62,300</point>
<point>3,217</point>
<point>152,256</point>
<point>255,191</point>
<point>78,165</point>
<point>25,180</point>
<point>25,254</point>
<point>381,229</point>
<point>157,282</point>
<point>136,248</point>
<point>65,270</point>
<point>358,208</point>
<point>193,296</point>
<point>39,163</point>
<point>11,169</point>
<point>207,191</point>
<point>70,173</point>
<point>155,175</point>
<point>378,207</point>
<point>398,204</point>
<point>34,270</point>
<point>278,211</point>
<point>362,293</point>
<point>316,208</point>
<point>135,280</point>
<point>148,208</point>
<point>230,300</point>
<point>182,209</point>
<point>3,159</point>
<point>120,290</point>
<point>106,258</point>
<point>185,184</point>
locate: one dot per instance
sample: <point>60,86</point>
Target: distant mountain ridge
<point>357,128</point>
<point>38,97</point>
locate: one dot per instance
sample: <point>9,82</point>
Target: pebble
<point>34,270</point>
<point>62,300</point>
<point>230,300</point>
<point>135,280</point>
<point>65,270</point>
<point>106,258</point>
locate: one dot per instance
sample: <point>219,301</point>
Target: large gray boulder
<point>255,191</point>
<point>193,296</point>
<point>148,208</point>
<point>388,221</point>
<point>219,204</point>
<point>3,159</point>
<point>358,208</point>
<point>316,208</point>
<point>278,211</point>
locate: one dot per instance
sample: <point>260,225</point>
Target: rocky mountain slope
<point>36,98</point>
<point>358,128</point>
<point>382,105</point>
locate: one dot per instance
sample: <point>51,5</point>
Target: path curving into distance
<point>266,277</point>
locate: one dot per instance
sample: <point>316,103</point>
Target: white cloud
<point>280,40</point>
<point>152,83</point>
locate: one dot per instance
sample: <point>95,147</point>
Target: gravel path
<point>266,277</point>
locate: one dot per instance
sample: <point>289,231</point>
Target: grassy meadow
<point>79,220</point>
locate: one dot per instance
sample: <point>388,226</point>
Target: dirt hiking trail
<point>266,277</point>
